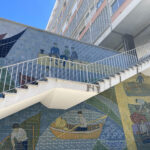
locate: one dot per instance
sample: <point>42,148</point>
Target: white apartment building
<point>115,24</point>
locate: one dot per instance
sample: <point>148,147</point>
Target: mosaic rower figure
<point>19,138</point>
<point>83,122</point>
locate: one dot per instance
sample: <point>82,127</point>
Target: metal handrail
<point>22,73</point>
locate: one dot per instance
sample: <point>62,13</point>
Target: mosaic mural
<point>18,43</point>
<point>92,125</point>
<point>140,109</point>
<point>133,98</point>
<point>7,44</point>
<point>117,119</point>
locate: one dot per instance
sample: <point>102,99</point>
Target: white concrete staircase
<point>57,93</point>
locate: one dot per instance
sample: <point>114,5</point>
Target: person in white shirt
<point>83,122</point>
<point>19,138</point>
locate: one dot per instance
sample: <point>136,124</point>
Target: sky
<point>34,13</point>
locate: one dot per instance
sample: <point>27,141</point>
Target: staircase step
<point>10,94</point>
<point>45,79</point>
<point>21,89</point>
<point>34,83</point>
<point>24,87</point>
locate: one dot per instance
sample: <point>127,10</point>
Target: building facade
<point>117,119</point>
<point>115,24</point>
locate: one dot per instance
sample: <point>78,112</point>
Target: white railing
<point>30,71</point>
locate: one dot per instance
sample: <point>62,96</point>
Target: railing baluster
<point>69,70</point>
<point>5,80</point>
<point>45,66</point>
<point>21,75</point>
<point>76,73</point>
<point>26,74</point>
<point>87,73</point>
<point>41,68</point>
<point>16,75</point>
<point>0,73</point>
<point>80,67</point>
<point>12,70</point>
<point>36,72</point>
<point>50,59</point>
<point>31,72</point>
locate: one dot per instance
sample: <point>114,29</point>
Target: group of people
<point>67,54</point>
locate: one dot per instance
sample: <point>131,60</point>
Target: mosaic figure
<point>143,128</point>
<point>54,52</point>
<point>142,104</point>
<point>74,55</point>
<point>42,51</point>
<point>67,52</point>
<point>19,138</point>
<point>140,79</point>
<point>83,122</point>
<point>65,56</point>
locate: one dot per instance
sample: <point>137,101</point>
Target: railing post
<point>12,70</point>
<point>5,80</point>
<point>50,67</point>
<point>16,75</point>
<point>87,74</point>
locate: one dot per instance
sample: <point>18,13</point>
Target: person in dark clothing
<point>74,55</point>
<point>140,79</point>
<point>54,52</point>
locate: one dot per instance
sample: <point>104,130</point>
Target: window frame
<point>99,3</point>
<point>118,5</point>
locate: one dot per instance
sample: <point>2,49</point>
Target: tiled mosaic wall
<point>19,43</point>
<point>57,129</point>
<point>117,119</point>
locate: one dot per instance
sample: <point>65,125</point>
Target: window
<point>116,4</point>
<point>64,27</point>
<point>65,4</point>
<point>74,8</point>
<point>87,15</point>
<point>92,8</point>
<point>99,3</point>
<point>121,2</point>
<point>82,30</point>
